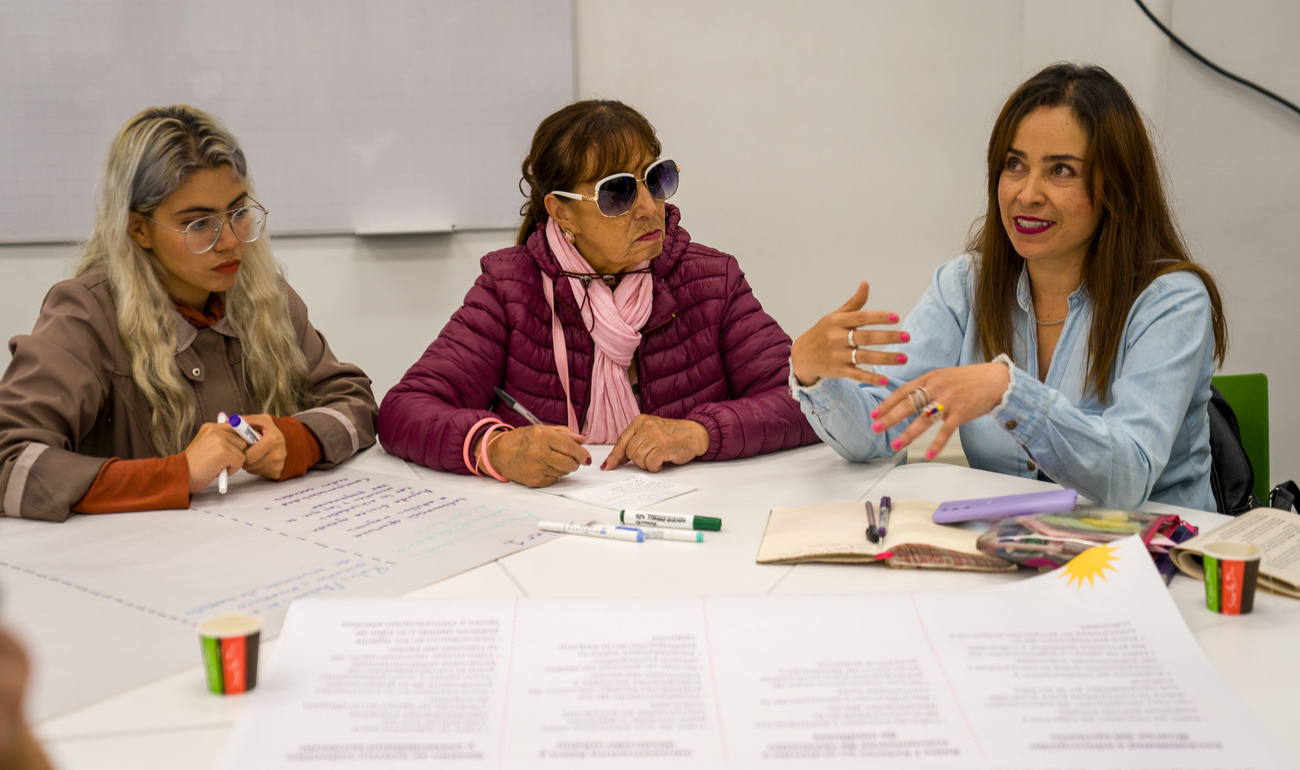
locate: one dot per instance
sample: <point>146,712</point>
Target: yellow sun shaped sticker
<point>1090,564</point>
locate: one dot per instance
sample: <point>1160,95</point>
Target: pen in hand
<point>518,407</point>
<point>872,533</point>
<point>222,478</point>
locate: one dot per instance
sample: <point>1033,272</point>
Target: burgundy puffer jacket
<point>708,353</point>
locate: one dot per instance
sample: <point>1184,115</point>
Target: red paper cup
<point>229,645</point>
<point>1231,573</point>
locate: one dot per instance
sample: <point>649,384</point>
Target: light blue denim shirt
<point>1149,441</point>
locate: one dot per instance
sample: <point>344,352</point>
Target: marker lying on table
<point>653,533</point>
<point>885,505</point>
<point>674,520</point>
<point>873,534</point>
<point>614,533</point>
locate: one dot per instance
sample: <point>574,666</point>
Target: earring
<point>568,236</point>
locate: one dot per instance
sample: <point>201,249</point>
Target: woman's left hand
<point>266,457</point>
<point>964,392</point>
<point>652,441</point>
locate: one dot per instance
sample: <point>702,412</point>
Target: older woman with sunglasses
<point>177,315</point>
<point>605,323</point>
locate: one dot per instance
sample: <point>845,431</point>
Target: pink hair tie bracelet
<point>472,467</point>
<point>500,429</point>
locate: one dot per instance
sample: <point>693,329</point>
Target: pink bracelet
<point>500,429</point>
<point>469,441</point>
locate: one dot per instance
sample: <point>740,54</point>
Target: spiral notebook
<point>836,532</point>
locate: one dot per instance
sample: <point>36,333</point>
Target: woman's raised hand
<point>537,455</point>
<point>833,347</point>
<point>951,396</point>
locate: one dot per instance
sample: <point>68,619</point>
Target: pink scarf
<point>615,318</point>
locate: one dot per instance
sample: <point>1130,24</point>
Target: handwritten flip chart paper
<point>1089,666</point>
<point>110,602</point>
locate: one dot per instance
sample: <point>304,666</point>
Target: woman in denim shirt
<point>1074,341</point>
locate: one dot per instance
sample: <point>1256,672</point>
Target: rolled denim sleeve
<point>839,409</point>
<point>1117,455</point>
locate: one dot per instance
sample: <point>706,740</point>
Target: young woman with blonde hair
<point>177,314</point>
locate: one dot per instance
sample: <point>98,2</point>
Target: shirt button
<point>1032,466</point>
<point>1011,424</point>
<point>196,371</point>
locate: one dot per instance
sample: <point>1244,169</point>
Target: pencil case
<point>1051,539</point>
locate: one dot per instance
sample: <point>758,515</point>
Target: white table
<point>174,723</point>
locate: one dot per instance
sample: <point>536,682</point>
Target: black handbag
<point>1232,479</point>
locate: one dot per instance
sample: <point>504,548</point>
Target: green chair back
<point>1247,394</point>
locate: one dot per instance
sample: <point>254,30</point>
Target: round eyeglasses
<point>246,222</point>
<point>616,193</point>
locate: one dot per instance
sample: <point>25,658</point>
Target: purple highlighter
<point>1056,501</point>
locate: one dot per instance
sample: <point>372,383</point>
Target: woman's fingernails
<point>877,427</point>
<point>875,414</point>
<point>898,443</point>
<point>893,318</point>
<point>929,454</point>
<point>884,380</point>
<point>588,462</point>
<point>904,337</point>
<point>902,358</point>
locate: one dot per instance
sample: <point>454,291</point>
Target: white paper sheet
<point>110,602</point>
<point>1089,666</point>
<point>624,487</point>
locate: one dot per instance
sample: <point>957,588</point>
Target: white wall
<point>824,142</point>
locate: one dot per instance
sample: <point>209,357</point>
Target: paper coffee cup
<point>1231,572</point>
<point>229,645</point>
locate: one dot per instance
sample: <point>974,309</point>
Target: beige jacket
<point>68,401</point>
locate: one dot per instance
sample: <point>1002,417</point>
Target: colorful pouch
<point>1051,539</point>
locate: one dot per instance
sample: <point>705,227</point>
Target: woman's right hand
<point>214,448</point>
<point>537,455</point>
<point>825,350</point>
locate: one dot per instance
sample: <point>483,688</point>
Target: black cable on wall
<point>1211,64</point>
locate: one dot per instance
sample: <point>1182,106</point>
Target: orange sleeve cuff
<point>300,445</point>
<point>152,484</point>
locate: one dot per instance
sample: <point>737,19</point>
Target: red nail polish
<point>904,337</point>
<point>877,427</point>
<point>902,358</point>
<point>875,414</point>
<point>898,443</point>
<point>893,318</point>
<point>929,454</point>
<point>588,461</point>
<point>884,380</point>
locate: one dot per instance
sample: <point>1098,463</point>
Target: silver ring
<point>854,356</point>
<point>852,344</point>
<point>919,397</point>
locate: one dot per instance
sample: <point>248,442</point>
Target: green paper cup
<point>229,644</point>
<point>1231,573</point>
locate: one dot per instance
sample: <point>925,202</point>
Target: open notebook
<point>836,532</point>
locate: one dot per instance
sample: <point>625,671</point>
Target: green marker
<point>673,520</point>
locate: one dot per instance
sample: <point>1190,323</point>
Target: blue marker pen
<point>245,431</point>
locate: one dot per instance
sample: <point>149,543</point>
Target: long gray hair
<point>154,153</point>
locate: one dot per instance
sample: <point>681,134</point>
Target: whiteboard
<point>366,117</point>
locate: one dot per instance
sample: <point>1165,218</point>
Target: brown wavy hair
<point>584,141</point>
<point>1136,239</point>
